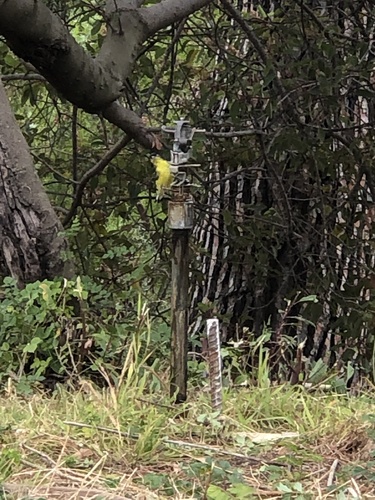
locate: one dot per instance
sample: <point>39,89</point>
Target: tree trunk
<point>31,245</point>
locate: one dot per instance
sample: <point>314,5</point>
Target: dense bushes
<point>57,330</point>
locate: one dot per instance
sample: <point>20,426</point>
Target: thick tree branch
<point>38,36</point>
<point>23,76</point>
<point>166,12</point>
<point>126,32</point>
<point>130,123</point>
<point>118,5</point>
<point>129,26</point>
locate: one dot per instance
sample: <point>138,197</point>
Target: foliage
<point>296,227</point>
<point>58,330</point>
<point>282,254</point>
<point>287,206</point>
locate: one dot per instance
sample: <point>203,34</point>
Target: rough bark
<point>30,242</point>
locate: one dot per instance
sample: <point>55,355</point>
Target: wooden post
<point>179,311</point>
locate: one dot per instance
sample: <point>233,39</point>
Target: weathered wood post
<point>179,305</point>
<point>180,218</point>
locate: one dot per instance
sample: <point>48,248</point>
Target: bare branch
<point>130,123</point>
<point>95,170</point>
<point>23,77</point>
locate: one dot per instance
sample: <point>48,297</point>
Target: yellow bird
<point>165,176</point>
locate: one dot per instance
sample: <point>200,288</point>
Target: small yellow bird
<point>165,176</point>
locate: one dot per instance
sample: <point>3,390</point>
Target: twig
<point>332,471</point>
<point>103,429</point>
<point>75,147</point>
<point>257,44</point>
<point>45,457</point>
<point>31,464</point>
<point>174,442</point>
<point>53,170</point>
<point>23,76</point>
<point>158,75</point>
<point>95,170</point>
<point>357,491</point>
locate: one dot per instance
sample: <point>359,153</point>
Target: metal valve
<point>182,141</point>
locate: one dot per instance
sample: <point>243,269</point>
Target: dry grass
<point>161,451</point>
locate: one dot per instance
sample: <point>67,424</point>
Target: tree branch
<point>131,124</point>
<point>23,76</point>
<point>38,36</point>
<point>166,12</point>
<point>95,170</point>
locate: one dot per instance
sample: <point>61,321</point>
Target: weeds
<point>275,442</point>
<point>128,440</point>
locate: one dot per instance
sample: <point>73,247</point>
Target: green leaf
<point>217,493</point>
<point>318,372</point>
<point>309,298</point>
<point>283,488</point>
<point>96,28</point>
<point>241,490</point>
<point>45,291</point>
<point>191,55</point>
<point>228,218</point>
<point>32,346</point>
<point>235,111</point>
<point>10,60</point>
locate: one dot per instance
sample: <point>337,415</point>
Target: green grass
<point>43,457</point>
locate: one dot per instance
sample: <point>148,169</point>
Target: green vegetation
<point>282,249</point>
<point>61,330</point>
<point>283,194</point>
<point>270,442</point>
<point>127,440</point>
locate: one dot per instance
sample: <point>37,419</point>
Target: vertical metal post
<point>179,306</point>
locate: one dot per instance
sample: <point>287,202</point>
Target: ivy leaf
<point>45,291</point>
<point>32,346</point>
